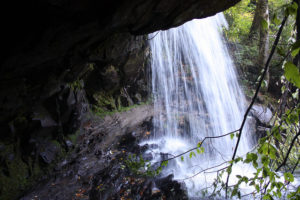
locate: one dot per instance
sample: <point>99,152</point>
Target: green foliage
<point>73,137</point>
<point>101,112</point>
<point>76,85</point>
<point>276,149</point>
<point>292,74</point>
<point>19,176</point>
<point>141,167</point>
<point>240,19</point>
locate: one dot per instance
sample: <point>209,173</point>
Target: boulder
<point>261,113</point>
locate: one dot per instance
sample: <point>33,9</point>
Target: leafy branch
<point>256,93</point>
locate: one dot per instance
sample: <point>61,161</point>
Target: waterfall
<point>196,94</point>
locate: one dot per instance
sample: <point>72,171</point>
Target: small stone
<point>155,191</point>
<point>147,156</point>
<point>261,113</point>
<point>11,157</point>
<point>69,144</point>
<point>2,147</point>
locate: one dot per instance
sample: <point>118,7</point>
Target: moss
<point>73,137</point>
<point>105,102</point>
<point>76,85</point>
<point>102,113</point>
<point>13,179</point>
<point>16,175</point>
<point>56,143</point>
<point>61,153</point>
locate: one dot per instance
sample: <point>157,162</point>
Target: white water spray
<point>196,94</point>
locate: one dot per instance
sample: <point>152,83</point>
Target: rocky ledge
<point>96,168</point>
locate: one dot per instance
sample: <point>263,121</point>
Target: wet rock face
<point>119,77</point>
<point>262,114</point>
<point>53,45</point>
<point>259,118</point>
<point>97,168</point>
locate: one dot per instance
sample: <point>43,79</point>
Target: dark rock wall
<point>120,74</point>
<point>41,116</point>
<point>49,42</point>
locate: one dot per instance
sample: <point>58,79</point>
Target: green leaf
<point>250,157</point>
<point>280,51</point>
<point>182,159</point>
<point>276,20</point>
<point>192,154</point>
<point>257,187</point>
<point>296,45</point>
<point>265,172</point>
<point>231,135</point>
<point>292,74</point>
<point>238,159</point>
<point>264,24</point>
<point>291,9</point>
<point>267,196</point>
<point>288,177</point>
<point>264,84</point>
<point>276,133</point>
<point>164,163</point>
<point>234,192</point>
<point>201,149</point>
<point>295,52</point>
<point>229,170</point>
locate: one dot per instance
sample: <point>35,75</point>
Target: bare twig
<point>204,171</point>
<point>256,93</point>
<point>192,149</point>
<point>288,152</point>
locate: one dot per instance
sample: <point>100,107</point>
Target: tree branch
<point>256,93</point>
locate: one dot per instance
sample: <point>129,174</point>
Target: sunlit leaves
<point>296,45</point>
<point>275,19</point>
<point>295,52</point>
<point>192,154</point>
<point>182,158</point>
<point>295,48</point>
<point>164,163</point>
<point>288,177</point>
<point>268,150</point>
<point>291,9</point>
<point>280,51</point>
<point>292,74</point>
<point>264,24</point>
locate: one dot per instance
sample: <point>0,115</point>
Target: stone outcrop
<point>259,118</point>
<point>51,42</point>
<point>97,168</point>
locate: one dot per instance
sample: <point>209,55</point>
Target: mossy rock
<point>105,101</point>
<point>14,174</point>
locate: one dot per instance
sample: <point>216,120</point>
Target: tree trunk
<point>258,29</point>
<point>296,60</point>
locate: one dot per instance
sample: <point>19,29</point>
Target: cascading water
<point>196,94</point>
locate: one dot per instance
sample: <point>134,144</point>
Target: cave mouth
<point>65,68</point>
